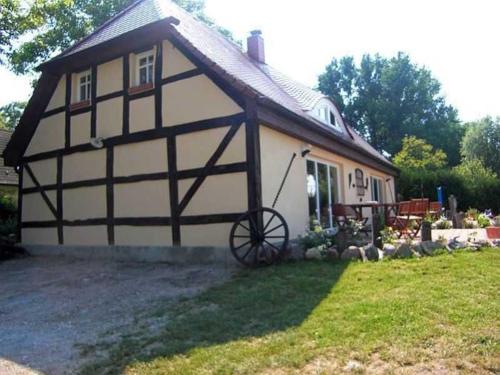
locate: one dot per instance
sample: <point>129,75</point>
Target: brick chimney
<point>255,46</point>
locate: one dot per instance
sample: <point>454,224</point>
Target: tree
<point>11,113</point>
<point>416,154</point>
<point>482,142</point>
<point>31,34</point>
<point>387,99</point>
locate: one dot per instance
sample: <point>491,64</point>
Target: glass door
<point>323,192</point>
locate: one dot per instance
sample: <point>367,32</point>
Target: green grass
<point>315,316</point>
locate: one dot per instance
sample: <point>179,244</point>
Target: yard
<point>434,314</point>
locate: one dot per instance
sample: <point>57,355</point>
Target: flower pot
<point>493,232</point>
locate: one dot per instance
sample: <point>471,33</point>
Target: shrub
<point>479,190</point>
<point>318,237</point>
<point>483,220</point>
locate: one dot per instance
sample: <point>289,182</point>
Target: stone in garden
<point>314,253</point>
<point>295,251</point>
<point>352,253</point>
<point>332,254</point>
<point>389,250</point>
<point>371,252</point>
<point>429,247</point>
<point>353,366</point>
<point>404,251</point>
<point>417,248</point>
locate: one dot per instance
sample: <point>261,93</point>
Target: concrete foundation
<point>149,254</point>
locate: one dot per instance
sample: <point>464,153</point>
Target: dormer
<point>327,113</point>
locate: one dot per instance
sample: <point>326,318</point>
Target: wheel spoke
<point>273,229</point>
<point>273,246</point>
<point>269,222</point>
<point>244,244</point>
<point>248,229</point>
<point>248,252</point>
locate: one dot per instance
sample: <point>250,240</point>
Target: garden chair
<point>405,222</point>
<point>343,214</point>
<point>435,209</point>
<point>420,207</point>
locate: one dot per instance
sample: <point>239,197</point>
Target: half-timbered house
<point>155,130</point>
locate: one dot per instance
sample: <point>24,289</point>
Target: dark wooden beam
<point>147,135</point>
<point>93,102</point>
<point>54,111</point>
<point>173,190</point>
<point>210,164</point>
<point>126,85</point>
<point>67,118</point>
<point>254,182</point>
<point>110,203</point>
<point>20,203</point>
<point>59,195</point>
<point>157,85</point>
<point>215,170</point>
<point>184,75</point>
<point>41,190</point>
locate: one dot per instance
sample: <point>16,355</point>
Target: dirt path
<point>47,305</point>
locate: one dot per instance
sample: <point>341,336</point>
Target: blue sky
<point>457,40</point>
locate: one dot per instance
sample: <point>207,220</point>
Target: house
<point>8,175</point>
<point>155,130</point>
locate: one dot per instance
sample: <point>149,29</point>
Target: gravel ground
<point>49,305</point>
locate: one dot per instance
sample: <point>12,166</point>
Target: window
<point>84,86</point>
<point>360,185</point>
<point>327,116</point>
<point>376,187</point>
<point>145,68</point>
<point>323,191</point>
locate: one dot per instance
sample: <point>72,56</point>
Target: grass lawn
<point>432,314</point>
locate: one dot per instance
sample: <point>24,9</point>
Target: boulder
<point>454,243</point>
<point>332,254</point>
<point>389,250</point>
<point>404,251</point>
<point>371,252</point>
<point>314,253</point>
<point>295,251</point>
<point>429,247</point>
<point>352,253</point>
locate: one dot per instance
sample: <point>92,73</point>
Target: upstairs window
<point>145,68</point>
<point>84,86</point>
<point>326,115</point>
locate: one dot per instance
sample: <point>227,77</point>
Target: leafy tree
<point>11,113</point>
<point>387,99</point>
<point>482,142</point>
<point>416,154</point>
<point>33,32</point>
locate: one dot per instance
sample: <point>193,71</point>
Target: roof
<point>224,56</point>
<point>8,175</point>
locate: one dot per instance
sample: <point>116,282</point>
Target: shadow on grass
<point>251,305</point>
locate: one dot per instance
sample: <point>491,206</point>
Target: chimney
<point>255,46</point>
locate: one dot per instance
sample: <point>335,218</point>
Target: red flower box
<point>493,232</point>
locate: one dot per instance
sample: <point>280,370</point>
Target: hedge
<point>481,192</point>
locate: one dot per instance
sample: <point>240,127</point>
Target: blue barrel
<point>440,195</point>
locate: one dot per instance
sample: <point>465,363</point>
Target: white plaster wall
<point>110,77</point>
<point>48,136</point>
<point>143,236</point>
<point>84,203</point>
<point>109,118</point>
<point>140,199</point>
<point>142,114</point>
<point>80,129</point>
<point>39,236</point>
<point>58,98</point>
<point>206,235</point>
<point>45,172</point>
<point>140,157</point>
<point>174,62</point>
<point>35,209</point>
<point>85,235</point>
<point>84,166</point>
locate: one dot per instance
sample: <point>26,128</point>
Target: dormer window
<point>145,68</point>
<point>326,115</point>
<point>84,86</point>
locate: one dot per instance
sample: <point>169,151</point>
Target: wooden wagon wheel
<point>259,237</point>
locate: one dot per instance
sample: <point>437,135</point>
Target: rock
<point>314,253</point>
<point>454,243</point>
<point>380,254</point>
<point>404,251</point>
<point>495,242</point>
<point>389,250</point>
<point>332,254</point>
<point>363,255</point>
<point>295,251</point>
<point>371,252</point>
<point>353,366</point>
<point>352,253</point>
<point>417,248</point>
<point>429,247</point>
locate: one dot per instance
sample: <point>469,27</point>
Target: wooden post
<point>377,226</point>
<point>426,233</point>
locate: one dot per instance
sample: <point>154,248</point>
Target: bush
<point>481,190</point>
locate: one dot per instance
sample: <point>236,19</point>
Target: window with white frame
<point>327,116</point>
<point>84,85</point>
<point>323,191</point>
<point>376,187</point>
<point>145,68</point>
